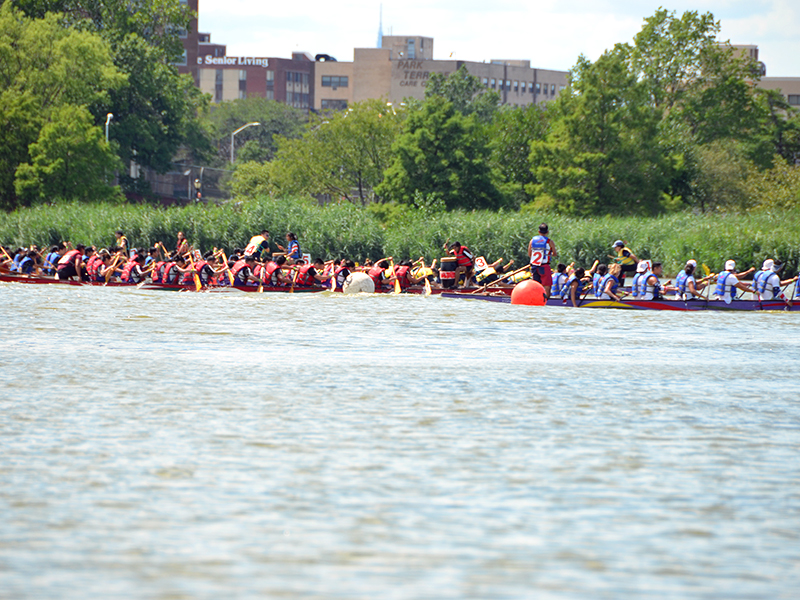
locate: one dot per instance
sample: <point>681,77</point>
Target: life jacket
<point>155,274</point>
<point>624,259</point>
<point>559,281</point>
<point>293,250</point>
<point>126,271</point>
<point>166,274</point>
<point>596,281</point>
<point>564,293</point>
<point>188,277</point>
<point>770,290</point>
<point>681,281</point>
<point>68,258</point>
<point>485,276</point>
<point>304,277</point>
<point>540,251</point>
<point>724,290</point>
<point>51,260</point>
<point>236,269</point>
<point>464,257</point>
<point>93,265</point>
<point>402,276</point>
<point>649,292</point>
<point>376,273</point>
<point>341,274</point>
<point>635,285</point>
<point>604,282</point>
<point>271,272</point>
<point>255,245</point>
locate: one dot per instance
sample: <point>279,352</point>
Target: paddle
<point>197,285</point>
<point>225,264</point>
<point>499,280</point>
<point>397,288</point>
<point>111,268</point>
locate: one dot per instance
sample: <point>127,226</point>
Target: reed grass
<point>346,230</point>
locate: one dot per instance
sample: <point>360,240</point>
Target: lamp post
<point>109,116</point>
<point>237,131</point>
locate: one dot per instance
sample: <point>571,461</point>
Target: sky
<point>549,33</point>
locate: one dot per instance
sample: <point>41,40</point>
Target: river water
<point>180,445</point>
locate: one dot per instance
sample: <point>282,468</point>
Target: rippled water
<point>180,445</point>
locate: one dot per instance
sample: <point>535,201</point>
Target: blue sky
<point>550,33</point>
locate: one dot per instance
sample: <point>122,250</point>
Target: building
<point>286,80</point>
<point>400,68</point>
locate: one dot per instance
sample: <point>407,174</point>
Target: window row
<point>334,81</point>
<point>521,86</point>
<point>794,99</point>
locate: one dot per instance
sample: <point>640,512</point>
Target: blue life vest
<point>604,283</point>
<point>540,251</point>
<point>763,285</point>
<point>635,285</point>
<point>26,265</point>
<point>642,283</point>
<point>596,281</point>
<point>565,290</point>
<point>681,280</point>
<point>559,283</point>
<point>50,262</point>
<point>758,278</point>
<point>725,291</point>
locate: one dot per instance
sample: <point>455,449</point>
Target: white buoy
<point>358,282</point>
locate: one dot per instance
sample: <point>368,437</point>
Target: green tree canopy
<point>465,92</point>
<point>70,160</point>
<point>440,155</point>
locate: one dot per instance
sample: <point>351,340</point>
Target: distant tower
<point>380,28</point>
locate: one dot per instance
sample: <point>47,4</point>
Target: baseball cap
<point>768,264</point>
<point>618,243</point>
<point>730,265</point>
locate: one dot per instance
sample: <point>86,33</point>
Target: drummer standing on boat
<point>625,259</point>
<point>541,250</point>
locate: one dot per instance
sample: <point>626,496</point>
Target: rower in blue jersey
<point>573,290</point>
<point>541,250</point>
<point>641,268</point>
<point>728,283</point>
<point>559,280</point>
<point>650,287</point>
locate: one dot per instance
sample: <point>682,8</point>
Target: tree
<point>510,135</point>
<point>439,156</point>
<point>602,155</point>
<point>44,66</point>
<point>343,154</point>
<point>465,92</point>
<point>70,160</point>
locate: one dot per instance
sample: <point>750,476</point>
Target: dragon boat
<point>631,304</point>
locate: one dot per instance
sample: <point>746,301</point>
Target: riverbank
<point>359,233</point>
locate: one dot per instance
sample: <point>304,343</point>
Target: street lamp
<point>109,116</point>
<point>237,131</point>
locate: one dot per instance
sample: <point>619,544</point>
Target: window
<point>485,82</point>
<point>794,99</point>
<point>217,85</point>
<point>544,89</point>
<point>334,81</point>
<point>333,104</point>
<point>538,88</point>
<point>493,84</point>
<point>411,53</point>
<point>553,90</point>
<point>516,86</point>
<point>523,87</point>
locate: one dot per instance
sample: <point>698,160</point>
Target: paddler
<point>465,263</point>
<point>122,242</point>
<point>71,264</point>
<point>541,250</point>
<point>258,246</point>
<point>770,286</point>
<point>728,282</point>
<point>173,270</point>
<point>573,290</point>
<point>242,271</point>
<point>492,272</point>
<point>650,287</point>
<point>687,287</point>
<point>609,286</point>
<point>378,274</point>
<point>312,274</point>
<point>625,258</point>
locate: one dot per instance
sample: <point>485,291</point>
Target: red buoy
<point>529,293</point>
